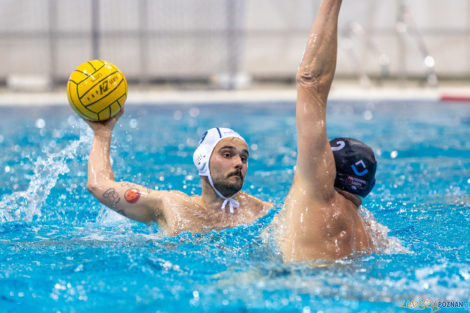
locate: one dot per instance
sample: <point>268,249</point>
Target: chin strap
<point>231,202</point>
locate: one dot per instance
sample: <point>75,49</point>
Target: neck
<point>351,197</point>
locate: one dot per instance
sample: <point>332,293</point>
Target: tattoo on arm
<point>111,198</point>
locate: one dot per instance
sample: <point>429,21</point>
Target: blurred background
<point>230,44</point>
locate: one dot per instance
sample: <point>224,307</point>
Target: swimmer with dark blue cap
<point>355,166</point>
<point>320,218</point>
<point>221,159</point>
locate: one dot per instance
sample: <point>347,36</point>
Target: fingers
<point>107,125</point>
<point>121,112</point>
<point>115,118</point>
<point>110,123</point>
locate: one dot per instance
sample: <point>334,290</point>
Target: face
<point>228,165</point>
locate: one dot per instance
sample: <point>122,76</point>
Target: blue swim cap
<point>355,166</point>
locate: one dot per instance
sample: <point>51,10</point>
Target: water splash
<point>379,233</point>
<point>384,243</point>
<point>108,217</point>
<point>26,205</point>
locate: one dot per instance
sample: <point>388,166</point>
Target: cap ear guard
<point>200,158</point>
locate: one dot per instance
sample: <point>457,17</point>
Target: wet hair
<point>355,166</point>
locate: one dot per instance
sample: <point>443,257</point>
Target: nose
<point>238,163</point>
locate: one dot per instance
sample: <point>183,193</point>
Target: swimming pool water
<point>62,251</point>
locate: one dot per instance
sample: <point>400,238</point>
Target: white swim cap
<point>202,155</point>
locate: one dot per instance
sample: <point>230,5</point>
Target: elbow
<point>312,78</point>
<point>92,188</point>
<point>306,77</point>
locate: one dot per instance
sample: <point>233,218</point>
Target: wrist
<point>103,133</point>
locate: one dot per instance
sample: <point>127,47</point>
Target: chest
<point>195,218</point>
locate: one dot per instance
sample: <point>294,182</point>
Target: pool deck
<point>274,93</point>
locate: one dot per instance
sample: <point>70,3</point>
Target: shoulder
<point>247,197</point>
<point>175,203</point>
<point>304,190</point>
<point>173,200</point>
<point>169,193</point>
<point>255,202</point>
<point>173,196</point>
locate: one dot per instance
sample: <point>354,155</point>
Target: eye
<point>226,154</point>
<point>244,158</point>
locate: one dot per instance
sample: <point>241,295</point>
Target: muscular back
<point>315,229</point>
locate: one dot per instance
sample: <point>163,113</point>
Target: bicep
<point>131,200</point>
<point>315,162</point>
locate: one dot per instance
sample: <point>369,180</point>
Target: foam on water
<point>383,243</point>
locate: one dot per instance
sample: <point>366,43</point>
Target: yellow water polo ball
<point>97,90</point>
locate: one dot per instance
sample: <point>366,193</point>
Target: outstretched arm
<point>315,163</point>
<point>131,200</point>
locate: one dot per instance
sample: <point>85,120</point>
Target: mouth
<point>236,174</point>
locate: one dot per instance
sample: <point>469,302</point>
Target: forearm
<point>99,163</point>
<point>131,200</point>
<point>319,60</point>
<point>315,75</point>
<point>315,163</point>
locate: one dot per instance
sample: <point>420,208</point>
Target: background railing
<point>228,43</point>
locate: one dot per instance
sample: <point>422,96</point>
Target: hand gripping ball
<point>97,90</point>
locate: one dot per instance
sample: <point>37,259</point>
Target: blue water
<point>62,251</point>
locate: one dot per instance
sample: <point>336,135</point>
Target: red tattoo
<point>132,195</point>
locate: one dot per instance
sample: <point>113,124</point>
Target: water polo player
<point>222,161</point>
<point>320,218</point>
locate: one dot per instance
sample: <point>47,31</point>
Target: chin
<point>234,188</point>
<point>229,189</point>
<point>238,184</point>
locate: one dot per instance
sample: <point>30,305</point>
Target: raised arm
<point>315,163</point>
<point>131,200</point>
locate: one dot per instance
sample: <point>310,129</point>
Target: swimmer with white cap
<point>320,218</point>
<point>222,162</point>
<point>202,157</point>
